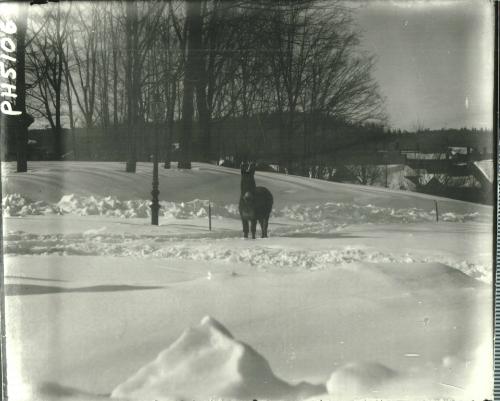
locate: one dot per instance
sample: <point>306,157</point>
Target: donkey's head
<point>247,181</point>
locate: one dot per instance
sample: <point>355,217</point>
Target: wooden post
<point>437,212</point>
<point>209,217</point>
<point>386,173</point>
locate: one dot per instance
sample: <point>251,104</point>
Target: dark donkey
<point>256,202</point>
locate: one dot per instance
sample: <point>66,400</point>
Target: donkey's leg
<point>262,227</point>
<point>254,227</point>
<point>245,228</point>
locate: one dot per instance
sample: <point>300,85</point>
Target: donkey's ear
<point>243,168</point>
<point>251,168</point>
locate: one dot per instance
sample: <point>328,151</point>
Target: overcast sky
<point>435,60</point>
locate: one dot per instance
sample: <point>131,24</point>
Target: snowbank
<point>352,213</point>
<point>109,206</point>
<point>337,213</point>
<point>263,258</point>
<point>355,380</point>
<point>206,362</point>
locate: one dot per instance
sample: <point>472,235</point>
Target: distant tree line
<point>187,67</point>
<point>233,139</point>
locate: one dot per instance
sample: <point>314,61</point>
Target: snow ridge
<point>261,257</point>
<point>109,206</point>
<point>337,213</point>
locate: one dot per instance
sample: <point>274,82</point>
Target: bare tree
<point>116,58</point>
<point>84,42</point>
<point>172,59</point>
<point>366,174</point>
<point>22,128</point>
<point>131,81</point>
<point>69,100</point>
<point>193,28</point>
<point>103,63</point>
<point>140,31</point>
<point>289,38</point>
<point>46,59</point>
<point>284,70</point>
<point>215,88</point>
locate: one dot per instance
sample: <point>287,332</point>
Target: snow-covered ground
<point>358,292</point>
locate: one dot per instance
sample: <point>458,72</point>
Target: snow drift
<point>206,362</point>
<point>98,242</point>
<point>331,213</point>
<point>109,206</point>
<point>359,380</point>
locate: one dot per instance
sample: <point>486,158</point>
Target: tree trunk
<point>114,55</point>
<point>204,120</point>
<point>169,132</point>
<point>22,134</point>
<point>201,98</point>
<point>289,138</point>
<point>131,92</point>
<point>70,111</point>
<point>193,30</point>
<point>282,159</point>
<point>59,146</point>
<point>58,137</point>
<point>115,90</point>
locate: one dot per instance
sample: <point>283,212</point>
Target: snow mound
<point>17,205</point>
<point>98,243</point>
<point>352,213</point>
<point>359,380</point>
<point>206,362</point>
<point>110,206</point>
<point>330,213</point>
<point>476,370</point>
